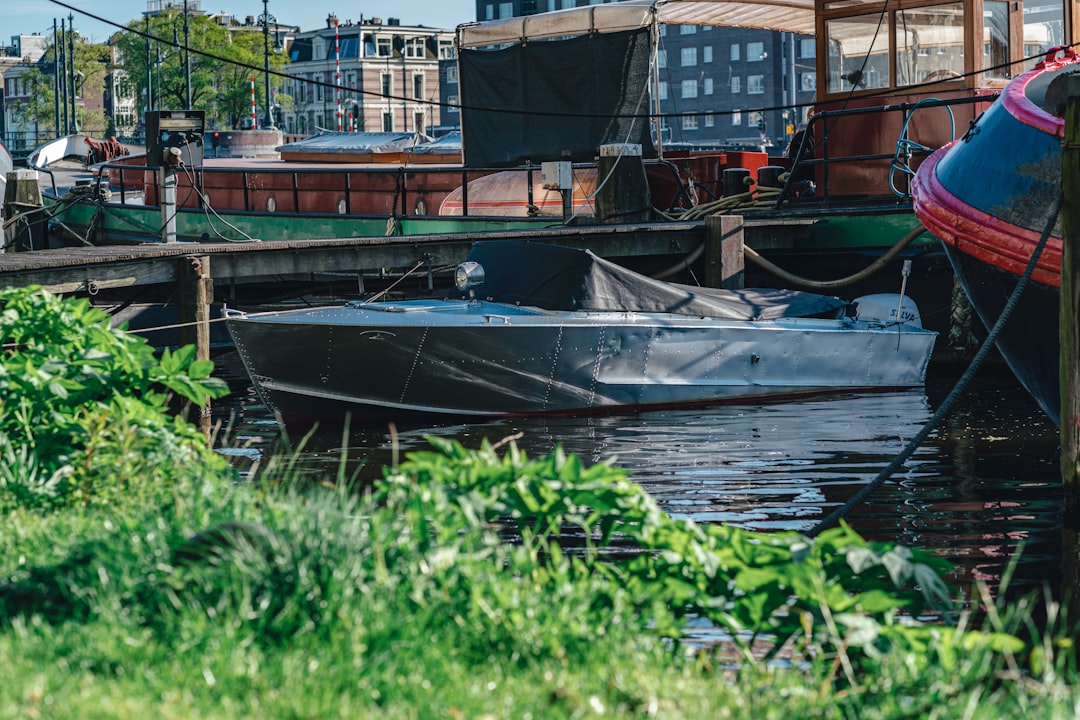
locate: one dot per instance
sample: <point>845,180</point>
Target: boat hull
<point>988,198</point>
<point>483,359</point>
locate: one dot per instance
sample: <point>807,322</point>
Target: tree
<point>221,61</point>
<point>91,62</point>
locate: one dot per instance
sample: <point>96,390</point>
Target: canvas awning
<point>784,15</point>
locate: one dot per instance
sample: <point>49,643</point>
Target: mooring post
<point>623,195</point>
<point>196,292</point>
<point>724,259</point>
<point>168,205</point>
<point>22,197</point>
<point>1069,337</point>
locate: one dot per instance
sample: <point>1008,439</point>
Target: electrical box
<point>181,129</point>
<point>557,175</point>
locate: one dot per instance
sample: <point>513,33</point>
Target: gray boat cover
<point>554,277</point>
<point>328,141</point>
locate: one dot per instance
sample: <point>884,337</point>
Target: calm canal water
<point>984,487</point>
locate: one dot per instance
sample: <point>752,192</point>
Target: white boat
<point>535,329</point>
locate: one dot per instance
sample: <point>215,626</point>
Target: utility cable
<point>961,385</point>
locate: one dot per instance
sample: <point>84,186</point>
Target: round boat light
<point>468,275</point>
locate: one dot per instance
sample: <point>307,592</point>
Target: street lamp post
<point>267,18</point>
<point>187,61</point>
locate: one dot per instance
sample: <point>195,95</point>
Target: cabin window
<point>937,28</point>
<point>1044,27</point>
<point>995,40</point>
<point>858,52</point>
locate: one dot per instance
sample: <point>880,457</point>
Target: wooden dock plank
<point>77,269</point>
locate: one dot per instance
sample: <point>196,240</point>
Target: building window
<point>662,90</point>
<point>735,51</point>
<point>418,121</point>
<point>754,118</point>
<point>736,118</point>
<point>506,10</point>
<point>452,101</point>
<point>318,88</point>
<point>755,84</point>
<point>755,52</point>
<point>446,50</point>
<point>415,47</point>
<point>808,81</point>
<point>387,84</point>
<point>710,120</point>
<point>736,84</point>
<point>567,4</point>
<point>690,122</point>
<point>418,86</point>
<point>689,88</point>
<point>661,59</point>
<point>688,56</point>
<point>385,46</point>
<point>708,89</point>
<point>451,74</point>
<point>687,29</point>
<point>489,12</point>
<point>388,121</point>
<point>706,54</point>
<point>806,48</point>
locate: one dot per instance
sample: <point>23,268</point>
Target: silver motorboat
<point>533,328</point>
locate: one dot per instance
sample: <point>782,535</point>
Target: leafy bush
<point>89,403</point>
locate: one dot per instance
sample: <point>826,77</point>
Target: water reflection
<point>984,485</point>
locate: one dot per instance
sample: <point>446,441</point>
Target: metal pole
<point>268,122</point>
<point>187,62</point>
<point>62,70</point>
<point>56,79</point>
<point>149,66</point>
<point>71,47</point>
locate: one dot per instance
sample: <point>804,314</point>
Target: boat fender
<point>882,308</point>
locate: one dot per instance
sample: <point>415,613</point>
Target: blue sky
<point>26,17</point>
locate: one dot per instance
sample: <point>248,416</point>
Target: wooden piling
<point>22,198</point>
<point>724,260</point>
<point>1069,337</point>
<point>196,292</point>
<point>623,195</point>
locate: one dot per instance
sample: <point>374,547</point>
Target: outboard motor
<point>882,309</point>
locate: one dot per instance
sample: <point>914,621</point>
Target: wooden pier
<point>92,269</point>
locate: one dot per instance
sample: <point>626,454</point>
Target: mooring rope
<point>961,385</point>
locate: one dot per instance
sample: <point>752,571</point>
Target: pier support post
<point>724,261</point>
<point>623,194</point>
<point>1069,337</point>
<point>196,292</point>
<point>22,196</point>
